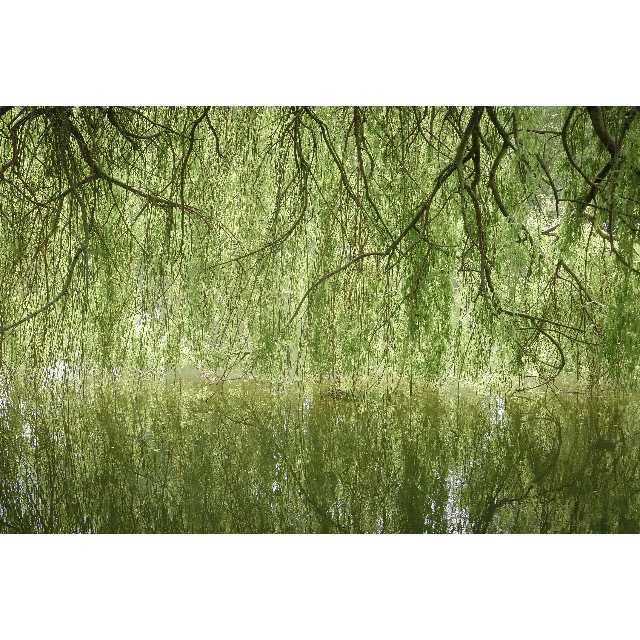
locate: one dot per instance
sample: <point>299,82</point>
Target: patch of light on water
<point>4,401</point>
<point>497,410</point>
<point>337,510</point>
<point>28,422</point>
<point>457,518</point>
<point>27,431</point>
<point>497,420</point>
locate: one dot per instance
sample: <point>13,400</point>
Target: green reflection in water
<point>176,459</point>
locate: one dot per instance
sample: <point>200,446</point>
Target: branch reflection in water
<point>183,458</point>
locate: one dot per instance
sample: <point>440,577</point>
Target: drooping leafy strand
<point>475,241</point>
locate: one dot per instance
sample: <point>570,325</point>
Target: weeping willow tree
<point>335,243</point>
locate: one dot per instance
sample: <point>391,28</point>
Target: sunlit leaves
<point>330,242</point>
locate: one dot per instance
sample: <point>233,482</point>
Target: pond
<point>186,458</point>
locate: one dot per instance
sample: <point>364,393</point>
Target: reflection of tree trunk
<point>325,518</point>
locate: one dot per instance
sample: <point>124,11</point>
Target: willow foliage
<point>331,242</point>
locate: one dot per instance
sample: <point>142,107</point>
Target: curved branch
<point>111,116</point>
<point>48,305</point>
<point>565,144</point>
<point>150,197</point>
<point>599,126</point>
<point>318,282</point>
<point>443,176</point>
<point>360,145</point>
<point>265,247</point>
<point>343,174</point>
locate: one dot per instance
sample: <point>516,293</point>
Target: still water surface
<point>192,459</point>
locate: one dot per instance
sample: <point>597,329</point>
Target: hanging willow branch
<point>331,274</point>
<point>495,222</point>
<point>54,300</point>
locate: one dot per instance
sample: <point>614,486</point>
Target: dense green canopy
<point>328,242</point>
